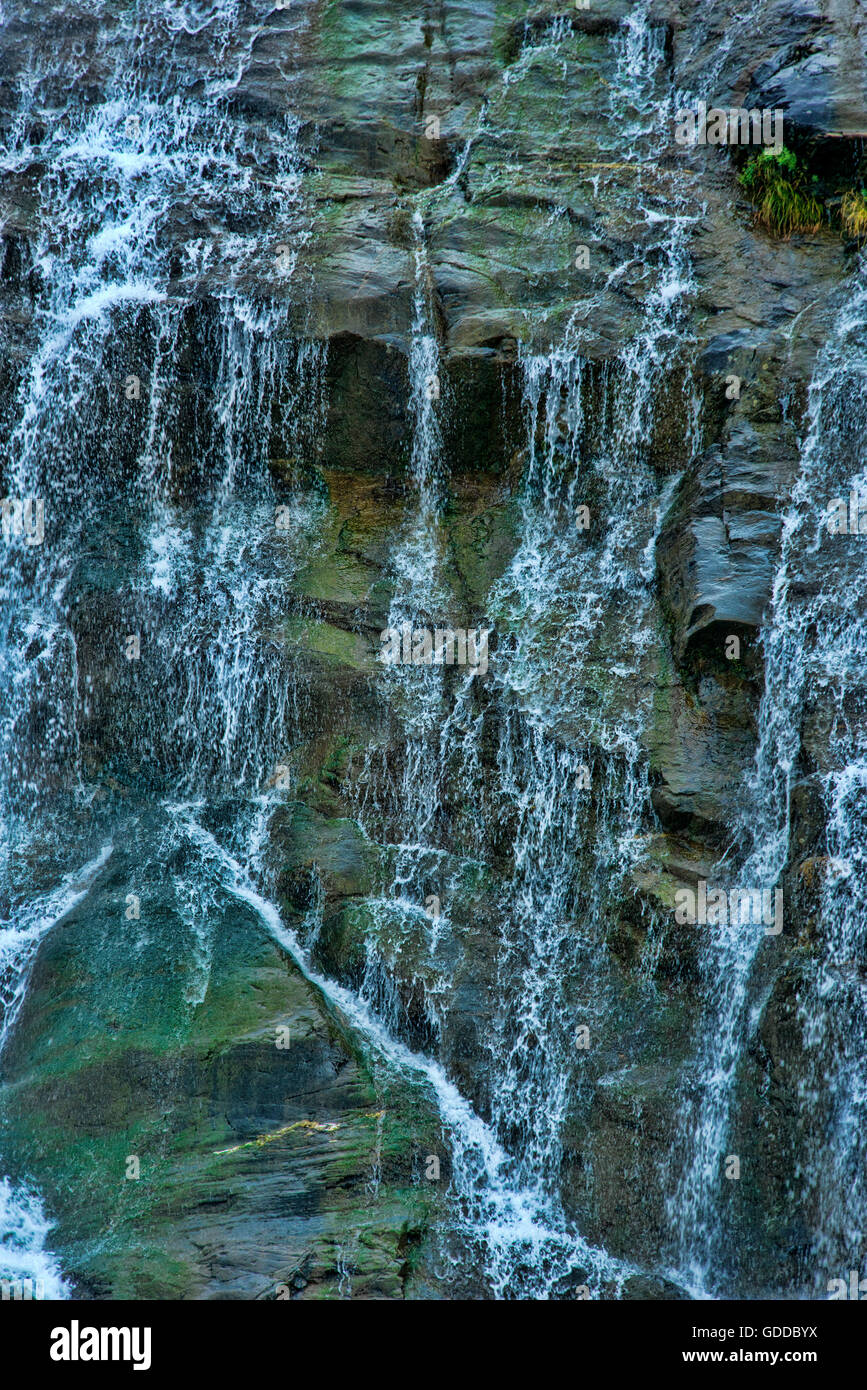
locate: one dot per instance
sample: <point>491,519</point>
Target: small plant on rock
<point>776,184</point>
<point>853,213</point>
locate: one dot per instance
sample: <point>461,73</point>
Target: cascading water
<point>161,400</point>
<point>817,651</point>
<point>92,447</point>
<point>208,575</point>
<point>810,732</point>
<point>549,733</point>
<point>26,1267</point>
<point>563,594</point>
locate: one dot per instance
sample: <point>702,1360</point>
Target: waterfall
<point>98,413</point>
<point>27,1268</point>
<point>570,775</point>
<point>810,734</point>
<point>165,408</point>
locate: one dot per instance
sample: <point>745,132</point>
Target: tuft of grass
<point>786,209</point>
<point>853,213</point>
<point>775,183</point>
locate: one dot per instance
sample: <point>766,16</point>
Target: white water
<point>114,275</point>
<point>24,1226</point>
<point>815,648</point>
<point>210,576</point>
<point>567,865</point>
<point>505,1215</point>
<point>27,1269</point>
<point>816,663</point>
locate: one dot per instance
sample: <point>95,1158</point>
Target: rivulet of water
<point>811,732</point>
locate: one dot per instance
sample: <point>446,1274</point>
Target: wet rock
<point>228,1133</point>
<point>270,1172</point>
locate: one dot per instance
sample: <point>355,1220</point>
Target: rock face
<point>382,297</point>
<point>807,59</point>
<point>229,1136</point>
